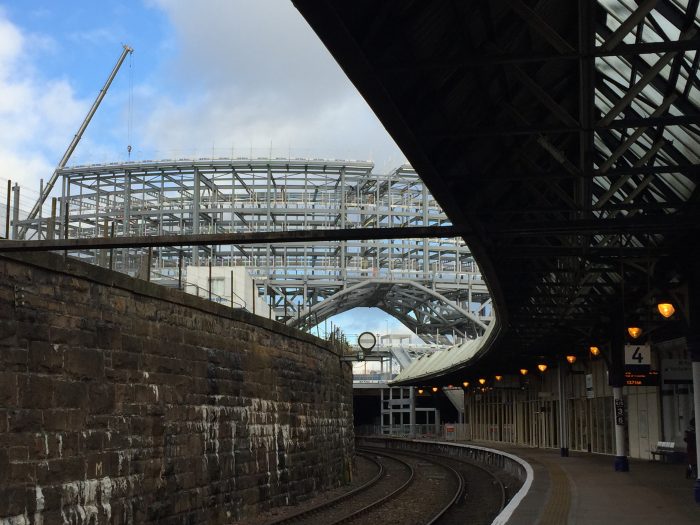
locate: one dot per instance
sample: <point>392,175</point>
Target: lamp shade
<point>634,331</point>
<point>666,309</point>
<point>523,371</point>
<point>594,350</point>
<point>571,359</point>
<point>542,367</point>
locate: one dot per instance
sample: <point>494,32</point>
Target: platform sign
<point>677,371</point>
<point>637,358</point>
<point>647,378</point>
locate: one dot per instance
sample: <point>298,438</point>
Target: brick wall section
<point>125,402</point>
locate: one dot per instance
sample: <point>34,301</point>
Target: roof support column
<point>195,213</point>
<point>563,409</point>
<point>693,341</point>
<point>616,374</point>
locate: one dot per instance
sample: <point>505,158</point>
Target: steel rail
<point>422,455</point>
<point>384,499</point>
<point>326,504</point>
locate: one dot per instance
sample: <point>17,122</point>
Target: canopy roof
<point>562,136</point>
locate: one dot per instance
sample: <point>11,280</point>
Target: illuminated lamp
<point>571,359</point>
<point>594,350</point>
<point>449,386</point>
<point>465,384</point>
<point>666,309</point>
<point>634,331</point>
<point>498,378</point>
<point>523,371</point>
<point>434,389</point>
<point>482,380</point>
<point>542,367</point>
<point>420,390</point>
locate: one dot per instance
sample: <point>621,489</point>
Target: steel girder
<point>576,123</point>
<point>428,313</point>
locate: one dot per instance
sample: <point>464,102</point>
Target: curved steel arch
<point>428,313</point>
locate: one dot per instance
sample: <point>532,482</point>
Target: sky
<point>207,78</point>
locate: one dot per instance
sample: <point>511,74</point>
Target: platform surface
<point>584,489</point>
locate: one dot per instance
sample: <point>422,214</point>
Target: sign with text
<point>637,358</point>
<point>677,371</point>
<point>619,412</point>
<point>589,386</point>
<point>645,378</point>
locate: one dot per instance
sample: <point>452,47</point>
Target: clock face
<point>366,340</point>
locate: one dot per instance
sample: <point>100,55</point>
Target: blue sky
<point>208,77</point>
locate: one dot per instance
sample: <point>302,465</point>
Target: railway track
<point>407,489</point>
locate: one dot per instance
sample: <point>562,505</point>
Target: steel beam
<point>218,239</point>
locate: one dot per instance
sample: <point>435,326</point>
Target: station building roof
<point>562,137</point>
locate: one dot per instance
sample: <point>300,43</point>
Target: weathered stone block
<point>84,363</point>
<point>25,420</point>
<point>100,398</point>
<point>45,358</point>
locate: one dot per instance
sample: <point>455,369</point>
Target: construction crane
<point>76,139</point>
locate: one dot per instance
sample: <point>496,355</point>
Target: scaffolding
<point>186,196</point>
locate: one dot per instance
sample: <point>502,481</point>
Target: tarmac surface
<point>584,489</point>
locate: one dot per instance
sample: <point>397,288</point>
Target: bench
<point>665,449</point>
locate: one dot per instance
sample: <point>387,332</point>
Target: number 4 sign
<point>638,355</point>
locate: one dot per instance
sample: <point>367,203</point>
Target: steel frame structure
<point>196,198</point>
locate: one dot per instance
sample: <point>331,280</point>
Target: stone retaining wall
<point>125,402</point>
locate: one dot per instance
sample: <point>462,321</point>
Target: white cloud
<point>254,73</point>
<point>37,115</point>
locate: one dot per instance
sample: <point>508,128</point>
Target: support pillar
<point>15,212</point>
<point>693,340</point>
<point>694,348</point>
<point>563,416</point>
<point>617,380</point>
<point>412,416</point>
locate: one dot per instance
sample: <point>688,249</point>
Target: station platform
<point>584,489</point>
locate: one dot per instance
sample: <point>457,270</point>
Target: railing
<point>446,431</point>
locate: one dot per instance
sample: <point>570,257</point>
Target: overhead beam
<point>217,239</point>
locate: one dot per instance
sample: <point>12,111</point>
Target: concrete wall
<point>125,402</point>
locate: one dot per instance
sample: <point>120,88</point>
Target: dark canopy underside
<point>562,135</point>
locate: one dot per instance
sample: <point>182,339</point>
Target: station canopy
<point>561,136</point>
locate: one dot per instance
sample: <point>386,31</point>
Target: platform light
<point>666,309</point>
<point>434,389</point>
<point>634,331</point>
<point>465,384</point>
<point>498,377</point>
<point>420,390</point>
<point>542,367</point>
<point>523,371</point>
<point>594,350</point>
<point>482,381</point>
<point>571,359</point>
